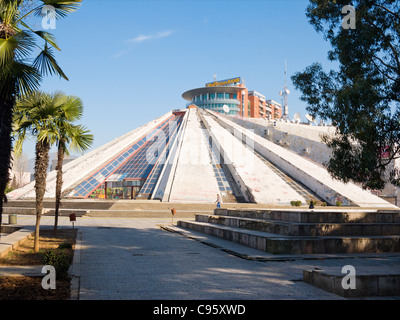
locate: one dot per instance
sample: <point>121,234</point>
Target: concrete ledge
<point>13,240</point>
<point>32,211</point>
<point>336,245</point>
<point>277,244</point>
<point>303,229</point>
<point>9,229</point>
<point>366,285</point>
<point>316,215</point>
<point>142,213</point>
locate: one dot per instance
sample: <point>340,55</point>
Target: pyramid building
<point>194,154</point>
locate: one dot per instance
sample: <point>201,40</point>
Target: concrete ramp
<point>256,180</point>
<point>314,176</point>
<point>162,189</point>
<point>194,178</point>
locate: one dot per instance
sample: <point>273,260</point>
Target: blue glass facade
<point>215,101</point>
<point>133,165</point>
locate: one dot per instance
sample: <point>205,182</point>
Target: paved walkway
<point>132,258</point>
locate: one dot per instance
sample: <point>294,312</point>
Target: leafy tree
<point>70,137</point>
<point>26,55</point>
<point>361,97</point>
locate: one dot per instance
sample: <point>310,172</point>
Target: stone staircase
<point>321,231</point>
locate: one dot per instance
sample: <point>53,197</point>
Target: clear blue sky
<point>130,61</point>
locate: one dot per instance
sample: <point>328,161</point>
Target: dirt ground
<point>30,288</point>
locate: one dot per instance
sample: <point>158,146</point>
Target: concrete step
<point>278,244</point>
<point>14,239</point>
<point>166,213</point>
<point>303,229</point>
<point>365,284</point>
<point>46,211</point>
<point>65,204</point>
<point>316,215</point>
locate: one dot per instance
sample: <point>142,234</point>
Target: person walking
<point>218,201</point>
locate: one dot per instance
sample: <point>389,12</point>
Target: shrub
<point>323,204</point>
<point>59,260</point>
<point>338,203</point>
<point>65,245</point>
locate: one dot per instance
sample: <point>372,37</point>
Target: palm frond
<point>35,113</point>
<point>80,139</point>
<point>19,77</point>
<point>61,7</point>
<point>9,11</point>
<point>7,48</point>
<point>73,108</point>
<point>47,134</point>
<point>16,47</point>
<point>27,78</point>
<point>21,137</point>
<point>46,36</point>
<point>47,64</point>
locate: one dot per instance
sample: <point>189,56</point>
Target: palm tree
<point>36,114</point>
<point>74,137</point>
<point>20,73</point>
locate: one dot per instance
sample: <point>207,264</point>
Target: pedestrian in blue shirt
<point>218,201</point>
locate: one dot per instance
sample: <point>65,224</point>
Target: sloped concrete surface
<point>312,175</point>
<point>194,178</point>
<point>264,185</point>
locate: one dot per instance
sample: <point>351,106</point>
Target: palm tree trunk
<point>41,164</point>
<point>7,102</point>
<point>60,160</point>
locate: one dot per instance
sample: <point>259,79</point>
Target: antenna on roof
<point>284,94</point>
